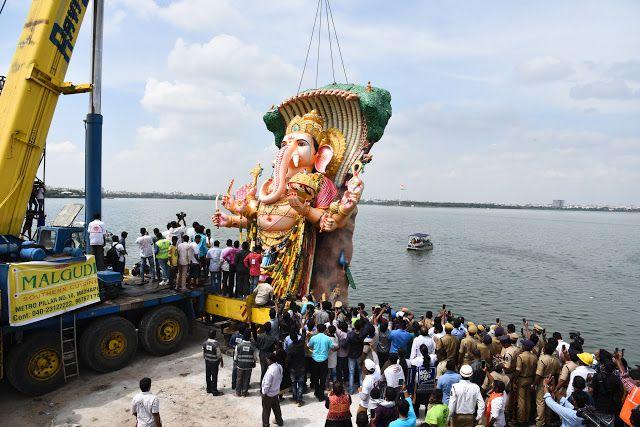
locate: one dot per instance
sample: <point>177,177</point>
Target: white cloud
<point>194,111</point>
<point>63,157</point>
<point>62,147</point>
<point>604,89</point>
<point>230,63</point>
<point>113,22</point>
<point>191,15</point>
<point>544,70</point>
<point>627,70</point>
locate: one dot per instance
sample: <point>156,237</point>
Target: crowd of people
<point>184,257</point>
<point>462,373</point>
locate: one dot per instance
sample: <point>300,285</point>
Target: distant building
<point>557,204</point>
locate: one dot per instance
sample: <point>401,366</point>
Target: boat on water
<point>420,242</point>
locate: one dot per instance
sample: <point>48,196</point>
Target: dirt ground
<point>178,380</point>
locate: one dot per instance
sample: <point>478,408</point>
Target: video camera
<point>181,216</point>
<point>575,336</point>
<point>593,418</point>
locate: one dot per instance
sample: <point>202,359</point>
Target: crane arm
<point>29,97</point>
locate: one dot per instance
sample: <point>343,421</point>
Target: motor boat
<point>420,242</point>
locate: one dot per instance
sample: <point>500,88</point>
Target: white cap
<point>399,313</point>
<point>466,371</point>
<point>369,364</point>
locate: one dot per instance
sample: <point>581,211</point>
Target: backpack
<point>112,255</point>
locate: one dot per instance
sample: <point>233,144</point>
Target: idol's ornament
<point>303,216</point>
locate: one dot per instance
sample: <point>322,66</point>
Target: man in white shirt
<point>368,383</point>
<point>585,360</point>
<point>145,244</point>
<point>213,255</point>
<point>263,293</point>
<point>145,406</point>
<point>394,373</point>
<point>496,405</point>
<point>175,229</point>
<point>185,253</point>
<point>465,399</point>
<point>194,262</point>
<point>270,388</point>
<point>425,339</point>
<point>562,345</point>
<point>97,231</point>
<point>120,252</point>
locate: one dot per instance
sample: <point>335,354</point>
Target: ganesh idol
<point>303,216</point>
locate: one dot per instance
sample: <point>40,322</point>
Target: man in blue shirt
<point>447,380</point>
<point>565,410</point>
<point>320,345</point>
<point>406,414</point>
<point>400,338</point>
<point>458,330</point>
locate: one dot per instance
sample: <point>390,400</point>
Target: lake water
<point>564,270</point>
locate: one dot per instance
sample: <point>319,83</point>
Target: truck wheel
<point>163,329</point>
<point>108,344</point>
<point>34,367</point>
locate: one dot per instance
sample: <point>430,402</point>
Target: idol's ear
<point>323,157</point>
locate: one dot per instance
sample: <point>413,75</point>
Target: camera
<point>181,216</point>
<point>575,336</point>
<point>593,418</point>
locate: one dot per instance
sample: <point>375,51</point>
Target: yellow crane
<point>56,314</point>
<point>29,97</point>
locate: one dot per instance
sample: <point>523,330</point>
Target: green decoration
<point>275,123</point>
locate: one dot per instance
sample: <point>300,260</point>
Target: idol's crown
<point>311,123</point>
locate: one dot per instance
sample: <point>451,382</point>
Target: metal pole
<point>95,106</point>
<point>93,128</point>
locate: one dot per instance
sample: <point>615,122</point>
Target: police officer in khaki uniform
<point>542,339</point>
<point>484,347</point>
<point>508,355</point>
<point>450,343</point>
<point>548,364</point>
<point>496,347</point>
<point>526,364</point>
<point>467,346</point>
<point>570,364</point>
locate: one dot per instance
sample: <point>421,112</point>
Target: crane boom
<point>29,97</point>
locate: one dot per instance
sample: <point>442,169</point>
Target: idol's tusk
<point>217,209</point>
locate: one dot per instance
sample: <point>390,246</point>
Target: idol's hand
<point>328,223</point>
<point>295,202</point>
<point>228,201</point>
<point>221,220</point>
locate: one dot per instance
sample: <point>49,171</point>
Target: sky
<point>502,101</point>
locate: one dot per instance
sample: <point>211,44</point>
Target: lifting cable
<point>333,71</point>
<point>337,41</point>
<point>313,30</point>
<point>319,38</point>
<point>2,7</point>
<point>317,20</point>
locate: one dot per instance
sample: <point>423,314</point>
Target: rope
<point>313,30</point>
<point>333,71</point>
<point>319,38</point>
<point>337,42</point>
<point>2,8</point>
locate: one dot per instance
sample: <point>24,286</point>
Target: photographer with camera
<point>175,229</point>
